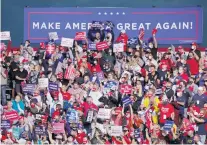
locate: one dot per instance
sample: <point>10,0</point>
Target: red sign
<point>58,128</point>
<point>126,89</point>
<point>80,36</point>
<point>102,45</point>
<point>12,115</point>
<point>42,45</point>
<point>50,49</point>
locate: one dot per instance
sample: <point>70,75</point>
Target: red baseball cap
<point>194,43</point>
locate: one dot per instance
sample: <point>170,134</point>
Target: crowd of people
<point>75,95</point>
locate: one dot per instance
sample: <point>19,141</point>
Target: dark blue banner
<point>175,25</point>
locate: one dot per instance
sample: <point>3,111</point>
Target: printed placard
<point>104,113</point>
<point>53,86</point>
<point>119,47</point>
<point>116,130</point>
<point>89,116</point>
<point>5,124</point>
<point>67,42</point>
<point>53,35</point>
<point>5,35</point>
<point>28,88</point>
<point>100,76</point>
<point>43,82</point>
<point>168,125</point>
<point>11,115</point>
<point>72,116</point>
<point>80,36</point>
<point>126,101</point>
<point>102,46</point>
<point>40,130</point>
<point>111,85</point>
<point>58,128</point>
<point>50,48</point>
<point>137,133</point>
<point>126,89</point>
<point>91,46</point>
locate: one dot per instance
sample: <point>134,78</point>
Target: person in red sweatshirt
<point>123,38</point>
<point>88,105</point>
<point>166,61</point>
<point>193,64</point>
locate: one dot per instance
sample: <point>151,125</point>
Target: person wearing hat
<point>123,37</point>
<point>193,64</point>
<point>166,111</point>
<point>195,51</point>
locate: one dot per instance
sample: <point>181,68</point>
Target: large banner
<point>175,25</point>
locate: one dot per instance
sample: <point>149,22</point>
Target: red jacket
<point>123,38</point>
<point>87,106</point>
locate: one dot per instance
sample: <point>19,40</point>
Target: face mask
<point>50,62</point>
<point>150,46</point>
<point>150,57</point>
<point>164,102</point>
<point>193,47</point>
<point>21,67</point>
<point>179,94</point>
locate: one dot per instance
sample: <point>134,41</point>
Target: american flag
<point>50,49</point>
<point>141,34</point>
<point>70,72</point>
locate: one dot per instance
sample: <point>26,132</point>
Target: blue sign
<point>174,25</point>
<point>5,124</point>
<point>53,86</point>
<point>92,46</point>
<point>127,101</point>
<point>28,88</point>
<point>111,85</point>
<point>137,133</point>
<point>72,116</point>
<point>40,130</point>
<point>168,125</point>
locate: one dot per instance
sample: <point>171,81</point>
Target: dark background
<point>12,11</point>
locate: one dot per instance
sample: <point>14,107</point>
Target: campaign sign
<point>137,133</point>
<point>110,84</point>
<point>91,46</point>
<point>126,89</point>
<point>53,35</point>
<point>119,47</point>
<point>100,76</point>
<point>53,86</point>
<point>5,35</point>
<point>116,130</point>
<point>67,42</point>
<point>72,116</point>
<point>43,82</point>
<point>5,124</point>
<point>29,88</point>
<point>11,115</point>
<point>58,128</point>
<point>16,132</point>
<point>80,36</point>
<point>184,26</point>
<point>104,113</point>
<point>127,101</point>
<point>102,46</point>
<point>40,130</point>
<point>89,116</point>
<point>168,125</point>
